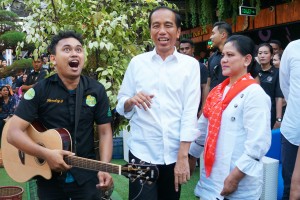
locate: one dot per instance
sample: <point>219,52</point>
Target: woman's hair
<point>8,88</point>
<point>266,45</point>
<point>245,45</point>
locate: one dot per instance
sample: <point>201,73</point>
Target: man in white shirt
<point>289,77</point>
<point>160,95</point>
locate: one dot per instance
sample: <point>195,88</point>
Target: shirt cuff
<point>196,150</point>
<point>250,166</point>
<point>120,108</point>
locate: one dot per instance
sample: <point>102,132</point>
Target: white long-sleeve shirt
<point>175,83</point>
<point>289,77</point>
<point>244,138</point>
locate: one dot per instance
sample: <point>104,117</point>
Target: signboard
<point>249,11</point>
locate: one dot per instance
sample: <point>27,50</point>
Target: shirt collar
<point>174,56</point>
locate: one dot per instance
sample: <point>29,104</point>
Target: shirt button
<point>235,105</point>
<point>242,95</point>
<point>232,118</point>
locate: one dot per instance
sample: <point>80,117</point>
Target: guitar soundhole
<point>40,161</point>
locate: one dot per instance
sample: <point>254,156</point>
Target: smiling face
<point>164,32</point>
<point>69,58</point>
<point>234,64</point>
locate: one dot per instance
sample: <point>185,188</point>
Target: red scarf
<point>213,110</point>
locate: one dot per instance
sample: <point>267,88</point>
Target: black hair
<point>7,87</point>
<point>63,35</point>
<point>245,45</point>
<point>224,26</point>
<point>177,15</point>
<point>276,42</point>
<point>266,45</point>
<point>185,40</point>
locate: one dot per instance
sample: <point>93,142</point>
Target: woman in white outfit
<point>236,125</point>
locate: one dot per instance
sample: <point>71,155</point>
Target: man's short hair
<point>185,40</point>
<point>177,15</point>
<point>63,35</point>
<point>224,26</point>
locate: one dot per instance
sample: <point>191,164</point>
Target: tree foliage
<point>8,21</point>
<point>11,39</point>
<point>114,31</point>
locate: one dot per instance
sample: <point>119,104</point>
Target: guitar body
<point>22,167</point>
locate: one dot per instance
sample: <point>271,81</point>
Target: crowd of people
<point>224,106</point>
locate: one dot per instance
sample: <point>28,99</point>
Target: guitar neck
<point>94,165</point>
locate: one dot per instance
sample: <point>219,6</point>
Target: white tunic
<point>244,138</point>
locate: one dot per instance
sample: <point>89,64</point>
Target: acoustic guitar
<point>21,167</point>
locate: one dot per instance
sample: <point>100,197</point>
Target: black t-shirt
<point>215,70</point>
<point>269,81</point>
<point>203,73</point>
<point>52,104</point>
<point>35,77</point>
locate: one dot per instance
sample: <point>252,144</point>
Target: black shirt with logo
<point>53,105</point>
<point>269,81</point>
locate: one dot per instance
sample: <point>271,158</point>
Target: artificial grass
<point>121,184</point>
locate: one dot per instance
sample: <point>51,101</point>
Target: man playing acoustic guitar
<point>66,100</point>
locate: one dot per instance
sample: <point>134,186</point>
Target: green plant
<point>114,31</point>
<point>17,64</point>
<point>8,21</point>
<point>11,39</point>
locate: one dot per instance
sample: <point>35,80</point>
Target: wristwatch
<point>279,119</point>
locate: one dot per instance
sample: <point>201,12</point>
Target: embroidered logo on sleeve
<point>90,101</point>
<point>29,94</point>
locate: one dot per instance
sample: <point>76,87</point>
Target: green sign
<point>250,11</point>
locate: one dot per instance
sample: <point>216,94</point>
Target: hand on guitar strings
<point>105,181</point>
<point>55,160</point>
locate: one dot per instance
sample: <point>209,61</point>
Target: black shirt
<point>269,81</point>
<point>52,104</point>
<point>35,77</point>
<point>215,70</point>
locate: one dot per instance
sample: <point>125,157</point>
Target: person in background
<point>235,128</point>
<point>276,59</point>
<point>160,94</point>
<point>187,47</point>
<point>46,62</point>
<point>289,73</point>
<point>269,81</point>
<point>52,102</point>
<point>37,75</point>
<point>4,64</point>
<point>276,45</point>
<point>7,104</point>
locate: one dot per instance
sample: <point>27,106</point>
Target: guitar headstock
<point>144,172</point>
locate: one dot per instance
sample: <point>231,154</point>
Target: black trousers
<point>57,189</point>
<point>288,157</point>
<point>162,189</point>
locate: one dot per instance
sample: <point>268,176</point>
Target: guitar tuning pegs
<point>149,182</point>
<point>133,161</point>
<point>142,162</point>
